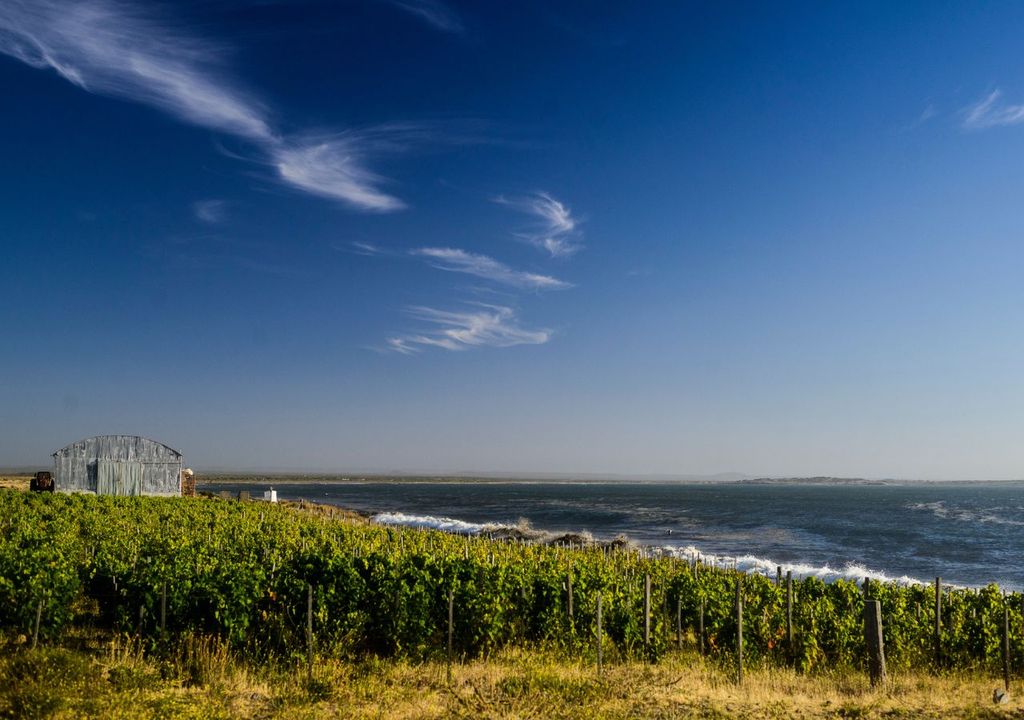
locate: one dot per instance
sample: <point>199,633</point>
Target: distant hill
<point>819,480</point>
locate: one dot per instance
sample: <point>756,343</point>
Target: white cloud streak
<point>212,212</point>
<point>557,231</point>
<point>989,112</point>
<point>366,248</point>
<point>330,167</point>
<point>486,326</point>
<point>930,112</point>
<point>482,266</point>
<point>113,48</point>
<point>434,13</point>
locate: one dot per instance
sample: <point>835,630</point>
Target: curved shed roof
<point>100,442</point>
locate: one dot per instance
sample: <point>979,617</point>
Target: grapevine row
<point>242,571</point>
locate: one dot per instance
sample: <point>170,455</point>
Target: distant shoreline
<point>298,478</point>
<point>252,477</point>
<point>340,479</point>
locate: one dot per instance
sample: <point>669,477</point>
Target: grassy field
<point>88,669</point>
<point>14,482</point>
<point>109,676</point>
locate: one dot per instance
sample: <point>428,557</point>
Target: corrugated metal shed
<point>118,465</point>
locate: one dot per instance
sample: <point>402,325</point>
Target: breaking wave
<point>522,530</point>
<point>747,563</point>
<point>765,566</point>
<point>992,515</point>
<point>429,522</point>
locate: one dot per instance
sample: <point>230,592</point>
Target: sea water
<point>970,534</point>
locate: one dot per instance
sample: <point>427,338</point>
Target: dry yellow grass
<point>523,684</point>
<point>202,680</point>
<point>14,482</point>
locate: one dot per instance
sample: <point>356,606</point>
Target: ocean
<point>970,534</point>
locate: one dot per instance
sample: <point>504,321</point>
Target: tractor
<point>42,482</point>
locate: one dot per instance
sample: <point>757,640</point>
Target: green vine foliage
<point>160,566</point>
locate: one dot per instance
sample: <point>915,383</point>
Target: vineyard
<point>275,581</point>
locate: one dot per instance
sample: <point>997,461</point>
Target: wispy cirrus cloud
<point>930,112</point>
<point>115,48</point>
<point>483,266</point>
<point>330,167</point>
<point>368,249</point>
<point>211,212</point>
<point>110,48</point>
<point>482,326</point>
<point>434,13</point>
<point>557,230</point>
<point>989,112</point>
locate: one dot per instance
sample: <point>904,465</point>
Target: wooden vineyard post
<point>679,623</point>
<point>873,641</point>
<point>309,628</point>
<point>938,622</point>
<point>647,613</point>
<point>600,664</point>
<point>778,576</point>
<point>666,616</point>
<point>163,610</point>
<point>700,627</point>
<point>1006,645</point>
<point>739,630</point>
<point>39,618</point>
<point>451,627</point>
<point>789,614</point>
<point>568,591</point>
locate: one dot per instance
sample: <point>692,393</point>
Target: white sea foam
<point>520,530</point>
<point>992,515</point>
<point>747,563</point>
<point>765,566</point>
<point>429,522</point>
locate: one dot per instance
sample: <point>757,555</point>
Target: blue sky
<point>414,235</point>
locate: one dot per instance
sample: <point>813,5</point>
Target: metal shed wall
<point>75,466</point>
